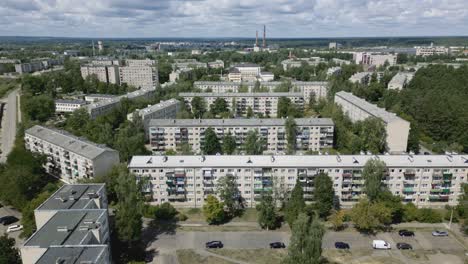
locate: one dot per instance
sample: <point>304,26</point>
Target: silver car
<point>439,233</point>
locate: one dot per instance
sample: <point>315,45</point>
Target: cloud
<point>233,18</point>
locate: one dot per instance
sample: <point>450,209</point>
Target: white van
<point>381,244</point>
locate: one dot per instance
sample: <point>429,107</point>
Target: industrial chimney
<point>256,38</point>
<point>264,36</point>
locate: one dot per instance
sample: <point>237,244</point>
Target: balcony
<point>408,190</point>
<point>436,191</point>
<point>347,175</point>
<point>408,197</point>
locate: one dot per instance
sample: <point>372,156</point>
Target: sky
<point>233,18</point>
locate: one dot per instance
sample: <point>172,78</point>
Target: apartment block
<point>265,104</point>
<point>186,181</point>
<point>358,109</point>
<point>298,62</point>
<point>37,65</point>
<point>318,89</point>
<point>188,64</point>
<point>70,157</point>
<point>373,58</point>
<point>72,227</point>
<point>311,133</point>
<point>400,80</point>
<point>104,73</point>
<point>162,110</point>
<point>68,106</point>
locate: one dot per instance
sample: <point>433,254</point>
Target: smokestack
<point>264,36</point>
<point>256,38</point>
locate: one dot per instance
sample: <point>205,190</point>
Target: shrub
<point>182,217</point>
<point>165,211</point>
<point>427,215</point>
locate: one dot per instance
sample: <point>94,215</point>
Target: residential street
<point>9,120</point>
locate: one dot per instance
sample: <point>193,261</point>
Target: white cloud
<point>233,18</point>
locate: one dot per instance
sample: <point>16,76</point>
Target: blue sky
<point>231,18</point>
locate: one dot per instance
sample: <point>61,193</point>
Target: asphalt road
<point>4,211</point>
<point>8,132</point>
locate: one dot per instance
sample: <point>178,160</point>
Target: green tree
<point>267,217</point>
<point>291,131</point>
<point>410,212</point>
<point>78,120</point>
<point>298,243</point>
<point>229,194</point>
<point>295,204</point>
<point>129,141</point>
<point>229,144</point>
<point>213,210</point>
<point>250,112</point>
<point>128,217</point>
<point>198,107</point>
<point>40,107</point>
<point>211,145</point>
<point>219,106</point>
<point>323,194</point>
<point>284,104</point>
<point>373,135</point>
<point>254,144</point>
<point>8,253</point>
<point>373,174</point>
<point>368,216</point>
<point>313,250</point>
<point>336,218</point>
<point>165,212</point>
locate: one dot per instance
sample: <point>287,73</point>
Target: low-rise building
<point>187,64</point>
<point>400,80</point>
<point>431,50</point>
<point>313,134</point>
<point>333,71</point>
<point>217,64</point>
<point>360,77</point>
<point>70,157</point>
<point>37,65</point>
<point>340,61</point>
<point>358,109</point>
<point>72,227</point>
<point>93,98</point>
<point>68,106</point>
<point>186,181</point>
<point>162,110</point>
<point>265,104</point>
<point>248,72</point>
<point>298,62</point>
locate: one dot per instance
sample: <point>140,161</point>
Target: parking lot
<point>4,211</point>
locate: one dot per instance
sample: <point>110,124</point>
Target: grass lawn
<point>254,256</point>
<point>196,215</point>
<point>189,256</point>
<point>218,228</point>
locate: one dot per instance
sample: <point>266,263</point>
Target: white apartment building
<point>104,106</point>
<point>186,181</point>
<point>248,72</point>
<point>265,104</point>
<point>318,89</point>
<point>431,50</point>
<point>104,73</point>
<point>72,227</point>
<point>358,109</point>
<point>141,77</point>
<point>68,106</point>
<point>400,80</point>
<point>162,110</point>
<point>377,59</point>
<point>93,98</point>
<point>312,133</point>
<point>70,157</point>
<point>361,77</point>
<point>188,64</point>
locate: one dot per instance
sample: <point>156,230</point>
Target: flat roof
<point>254,122</point>
<point>101,95</point>
<point>73,196</point>
<point>244,65</point>
<point>69,101</point>
<point>297,161</point>
<point>369,108</point>
<point>80,146</point>
<point>73,255</point>
<point>159,106</point>
<point>241,94</point>
<point>68,227</point>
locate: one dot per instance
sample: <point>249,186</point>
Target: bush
<point>427,215</point>
<point>182,217</point>
<point>165,211</point>
<point>410,212</point>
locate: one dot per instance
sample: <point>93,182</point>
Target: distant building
<point>70,157</point>
<point>298,62</point>
<point>100,46</point>
<point>341,62</point>
<point>333,71</point>
<point>400,80</point>
<point>196,52</point>
<point>312,133</point>
<point>358,109</point>
<point>72,227</point>
<point>72,53</point>
<point>106,74</point>
<point>217,64</point>
<point>376,59</point>
<point>163,110</point>
<point>248,72</point>
<point>188,64</point>
<point>93,98</point>
<point>431,50</point>
<point>68,106</point>
<point>360,77</point>
<point>37,65</point>
<point>265,104</point>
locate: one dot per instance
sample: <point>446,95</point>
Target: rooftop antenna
<point>264,36</point>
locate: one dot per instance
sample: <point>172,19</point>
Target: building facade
<point>162,110</point>
<point>248,72</point>
<point>186,181</point>
<point>431,50</point>
<point>68,157</point>
<point>312,134</point>
<point>72,227</point>
<point>358,109</point>
<point>265,104</point>
<point>376,59</point>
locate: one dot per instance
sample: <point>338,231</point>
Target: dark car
<point>341,245</point>
<point>406,233</point>
<point>277,245</point>
<point>8,220</point>
<point>403,246</point>
<point>214,244</point>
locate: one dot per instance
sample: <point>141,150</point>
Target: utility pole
<point>451,217</point>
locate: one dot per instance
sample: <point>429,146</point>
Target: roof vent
<point>249,161</point>
<point>362,152</point>
<point>202,158</point>
<point>272,158</point>
<point>338,157</point>
<point>73,191</point>
<point>355,161</point>
<point>63,229</point>
<point>60,260</point>
<point>465,160</point>
<point>150,161</point>
<point>63,199</point>
<point>164,158</point>
<point>93,195</point>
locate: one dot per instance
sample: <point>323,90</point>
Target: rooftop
<point>101,95</point>
<point>298,161</point>
<point>156,107</point>
<point>69,227</point>
<point>80,146</point>
<point>241,94</point>
<point>67,101</point>
<point>369,108</point>
<point>245,65</point>
<point>238,122</point>
<point>73,255</point>
<point>73,196</point>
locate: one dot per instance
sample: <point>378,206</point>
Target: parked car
<point>406,233</point>
<point>8,220</point>
<point>439,233</point>
<point>381,244</point>
<point>14,228</point>
<point>214,244</point>
<point>341,245</point>
<point>277,245</point>
<point>403,246</point>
